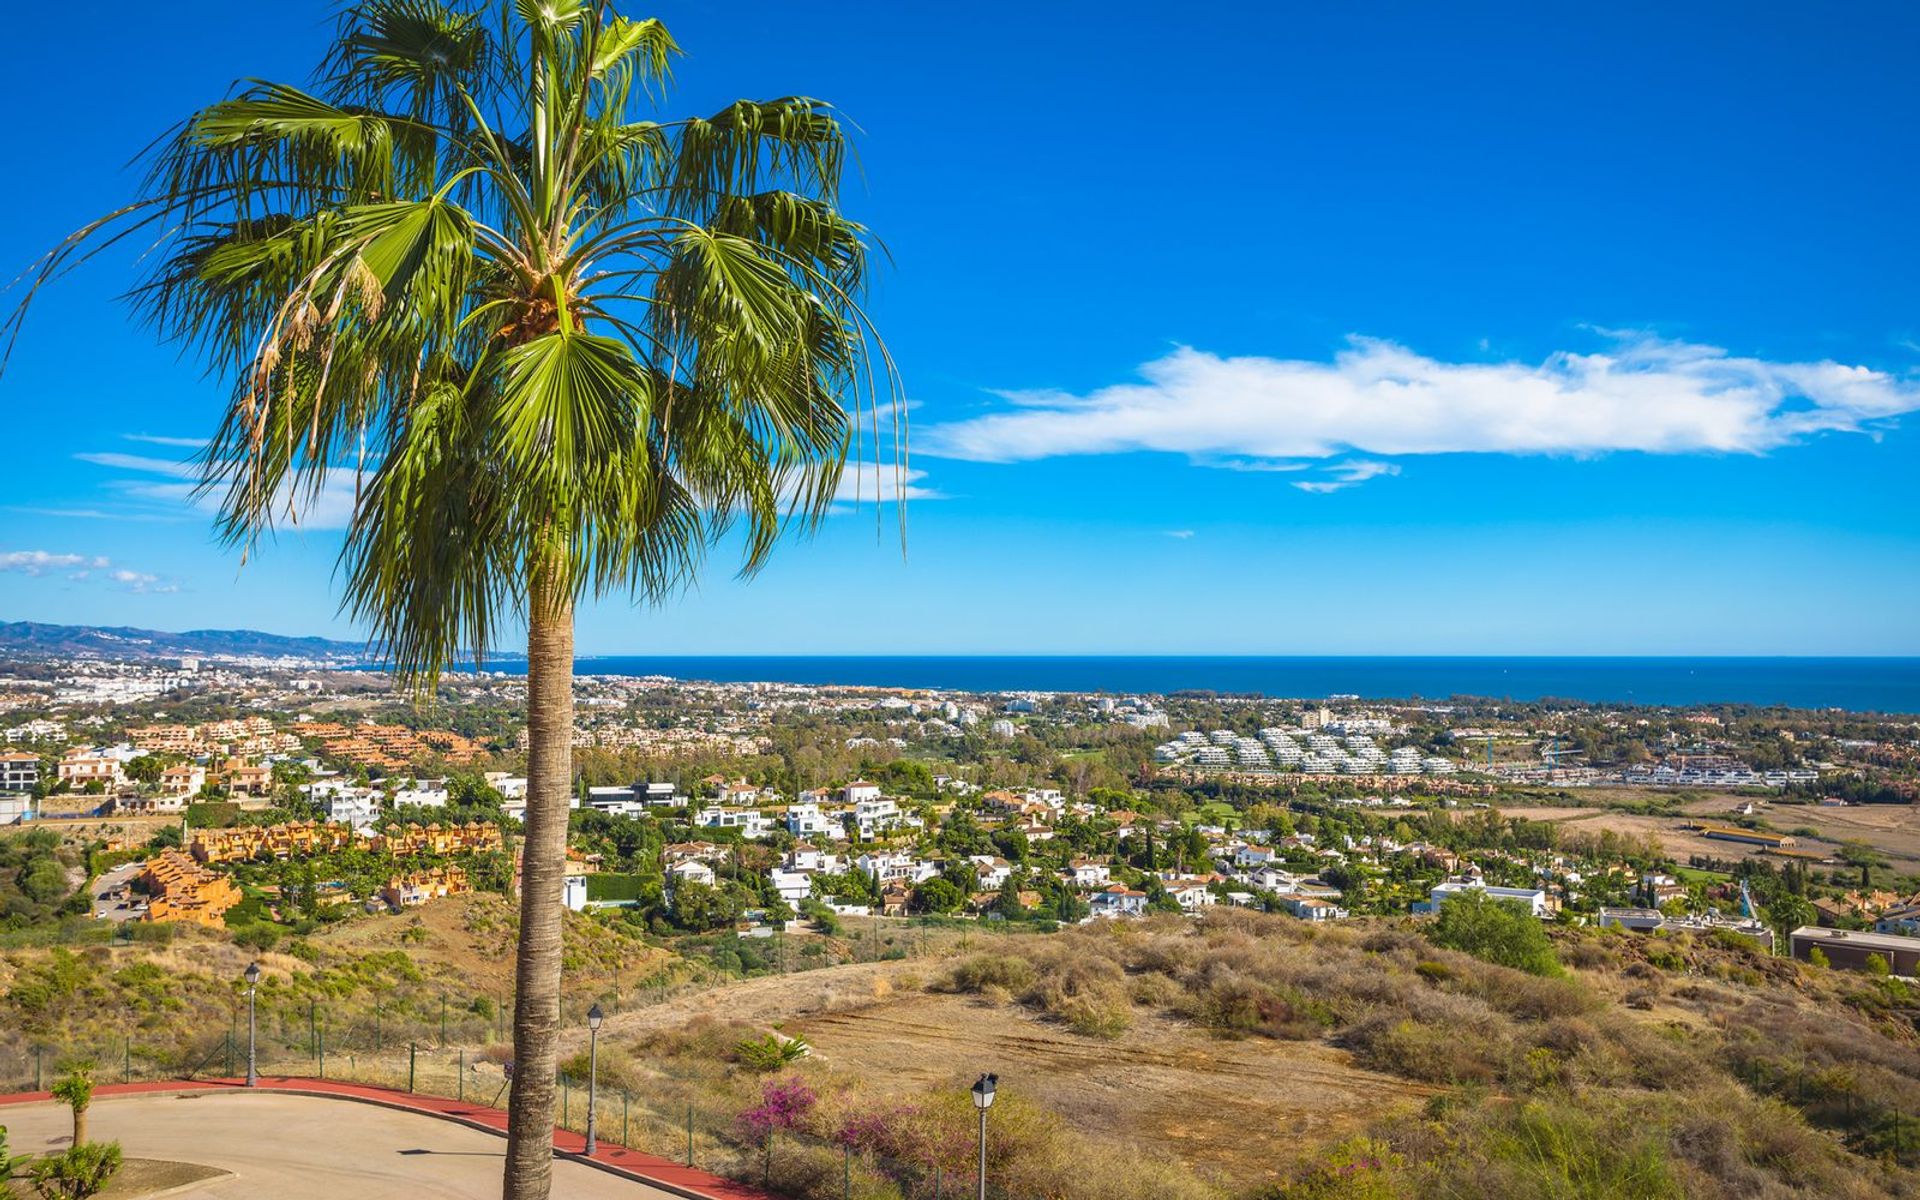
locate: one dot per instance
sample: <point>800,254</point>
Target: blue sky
<point>1365,328</point>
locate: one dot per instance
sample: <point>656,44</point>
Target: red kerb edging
<point>662,1173</point>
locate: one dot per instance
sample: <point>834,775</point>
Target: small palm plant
<point>76,1089</point>
<point>770,1053</point>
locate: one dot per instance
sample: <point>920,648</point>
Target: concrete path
<point>283,1143</point>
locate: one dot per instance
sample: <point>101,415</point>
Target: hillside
<point>1239,1057</point>
<point>1255,1056</point>
<point>30,639</point>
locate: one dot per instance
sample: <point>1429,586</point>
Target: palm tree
<point>552,346</point>
<point>76,1090</point>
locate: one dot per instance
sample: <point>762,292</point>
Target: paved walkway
<point>292,1138</point>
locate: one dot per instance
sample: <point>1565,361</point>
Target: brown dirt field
<point>1241,1109</point>
<point>1894,829</point>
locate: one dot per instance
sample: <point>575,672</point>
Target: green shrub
<point>1499,931</point>
<point>1665,957</point>
<point>81,1172</point>
<point>982,971</point>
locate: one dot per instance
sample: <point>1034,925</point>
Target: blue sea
<point>1857,684</point>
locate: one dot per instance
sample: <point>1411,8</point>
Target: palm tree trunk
<point>536,1011</point>
<point>80,1125</point>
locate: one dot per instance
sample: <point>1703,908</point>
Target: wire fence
<point>399,1051</point>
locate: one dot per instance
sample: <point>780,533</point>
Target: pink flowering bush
<point>785,1103</point>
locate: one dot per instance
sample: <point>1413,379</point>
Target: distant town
<point>266,794</point>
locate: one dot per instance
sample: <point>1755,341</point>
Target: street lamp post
<point>983,1100</point>
<point>594,1017</point>
<point>253,980</point>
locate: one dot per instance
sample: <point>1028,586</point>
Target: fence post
<point>37,1052</point>
<point>936,1183</point>
<point>322,1043</point>
<point>625,1139</point>
<point>848,1152</point>
<point>566,1101</point>
<point>463,1075</point>
<point>126,1063</point>
<point>410,1049</point>
<point>443,1020</point>
<point>229,1054</point>
<point>689,1135</point>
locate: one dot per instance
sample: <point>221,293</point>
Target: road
<point>111,901</point>
<point>304,1148</point>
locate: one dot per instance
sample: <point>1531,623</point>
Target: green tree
<point>1789,912</point>
<point>937,895</point>
<point>563,346</point>
<point>146,768</point>
<point>1501,931</point>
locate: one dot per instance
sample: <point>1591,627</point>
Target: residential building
<point>414,888</point>
<point>19,771</point>
<point>1536,899</point>
<point>793,886</point>
<point>1311,908</point>
<point>1119,900</point>
<point>691,870</point>
<point>1848,950</point>
<point>185,779</point>
<point>81,767</point>
<point>183,890</point>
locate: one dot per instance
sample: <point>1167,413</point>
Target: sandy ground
<point>305,1148</point>
<point>1230,1107</point>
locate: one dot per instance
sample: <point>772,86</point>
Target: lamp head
<point>253,973</point>
<point>983,1091</point>
<point>594,1017</point>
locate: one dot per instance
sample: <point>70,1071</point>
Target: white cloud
<point>1377,398</point>
<point>1180,534</point>
<point>39,562</point>
<point>1347,474</point>
<point>861,483</point>
<point>157,439</point>
<point>330,509</point>
<point>80,567</point>
<point>139,462</point>
<point>141,581</point>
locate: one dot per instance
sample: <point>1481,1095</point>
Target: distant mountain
<point>30,639</point>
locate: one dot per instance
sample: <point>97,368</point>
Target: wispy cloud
<point>140,462</point>
<point>82,567</point>
<point>159,439</point>
<point>93,514</point>
<point>1348,474</point>
<point>177,488</point>
<point>1640,393</point>
<point>1180,534</point>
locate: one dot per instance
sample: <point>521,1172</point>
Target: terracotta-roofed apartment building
<point>418,887</point>
<point>183,890</point>
<point>246,842</point>
<point>387,747</point>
